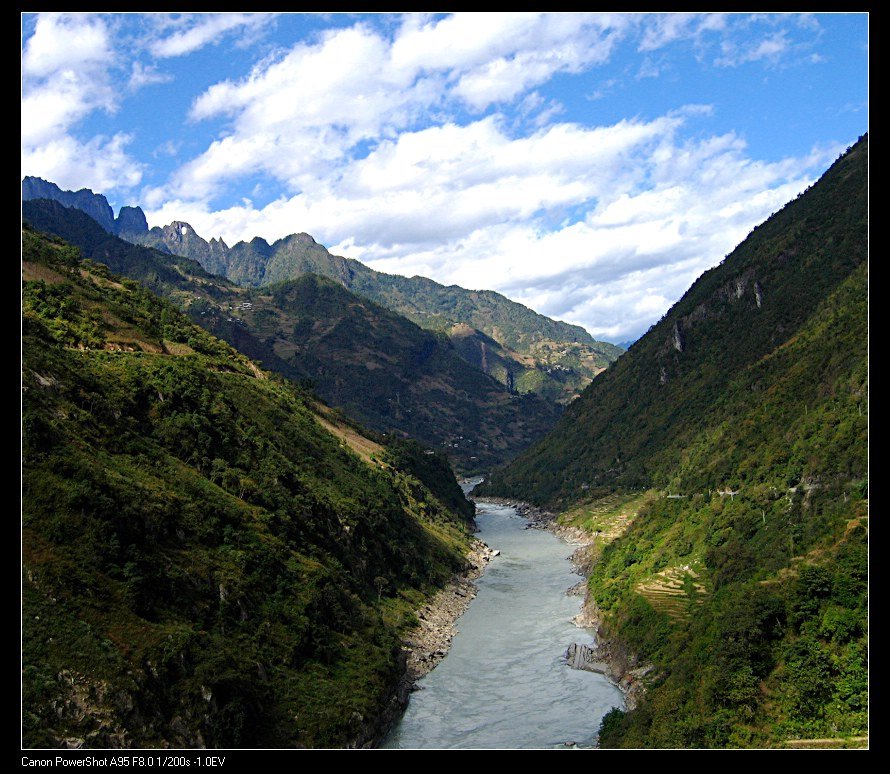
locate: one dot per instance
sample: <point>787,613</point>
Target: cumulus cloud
<point>599,225</point>
<point>431,146</point>
<point>64,78</point>
<point>302,113</point>
<point>474,206</point>
<point>102,163</point>
<point>65,42</point>
<point>295,115</point>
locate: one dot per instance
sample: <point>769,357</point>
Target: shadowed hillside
<point>380,368</point>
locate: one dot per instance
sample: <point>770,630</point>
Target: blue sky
<point>588,165</point>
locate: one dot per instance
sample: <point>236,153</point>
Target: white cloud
<point>552,44</point>
<point>301,113</point>
<point>769,48</point>
<point>146,75</point>
<point>739,38</point>
<point>205,29</point>
<point>167,148</point>
<point>464,41</point>
<point>52,107</point>
<point>430,147</point>
<point>102,164</point>
<point>63,43</point>
<point>63,70</point>
<point>474,206</point>
<point>304,111</point>
<point>662,29</point>
<point>65,77</point>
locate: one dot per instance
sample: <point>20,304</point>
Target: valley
<point>721,469</point>
<point>204,562</point>
<point>525,351</point>
<point>239,496</point>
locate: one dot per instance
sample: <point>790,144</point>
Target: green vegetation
<point>742,418</point>
<point>696,371</point>
<point>378,367</point>
<point>203,562</point>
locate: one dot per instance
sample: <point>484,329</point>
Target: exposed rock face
<point>618,663</point>
<point>678,338</point>
<point>94,205</point>
<point>580,656</point>
<point>131,220</point>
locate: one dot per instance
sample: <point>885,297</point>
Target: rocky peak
<point>177,232</point>
<point>260,244</point>
<point>93,204</point>
<point>131,220</point>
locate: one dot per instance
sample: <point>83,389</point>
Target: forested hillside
<point>378,367</point>
<point>525,351</point>
<point>210,557</point>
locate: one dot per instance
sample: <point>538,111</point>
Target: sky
<point>590,166</point>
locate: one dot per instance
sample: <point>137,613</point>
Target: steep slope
<point>534,353</point>
<point>204,562</point>
<point>129,220</point>
<point>735,587</point>
<point>390,374</point>
<point>378,367</point>
<point>635,424</point>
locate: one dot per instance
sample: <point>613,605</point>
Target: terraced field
<point>674,591</point>
<point>607,518</point>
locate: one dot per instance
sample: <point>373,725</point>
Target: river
<point>504,683</point>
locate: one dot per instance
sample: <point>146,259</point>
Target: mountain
<point>378,367</point>
<point>130,219</point>
<point>522,349</point>
<point>733,440</point>
<point>210,557</point>
<point>633,420</point>
<point>390,374</point>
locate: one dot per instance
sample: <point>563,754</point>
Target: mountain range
<point>214,556</point>
<point>211,557</point>
<point>378,367</point>
<point>524,350</point>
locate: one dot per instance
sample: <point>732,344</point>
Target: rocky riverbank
<point>427,644</point>
<point>609,656</point>
<point>424,646</point>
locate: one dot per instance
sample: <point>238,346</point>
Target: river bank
<point>609,656</point>
<point>424,646</point>
<point>428,643</point>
